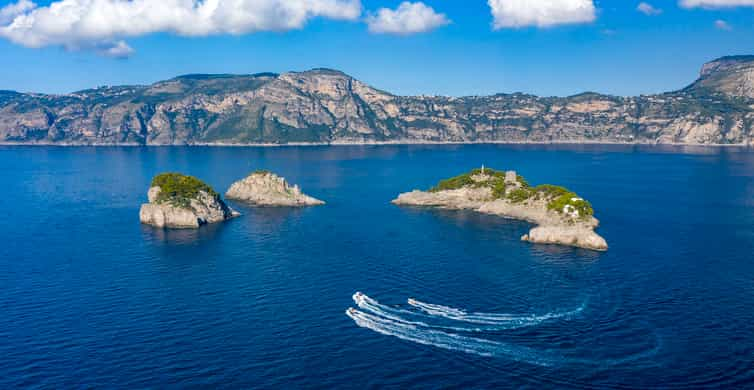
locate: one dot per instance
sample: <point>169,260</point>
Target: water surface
<point>90,298</point>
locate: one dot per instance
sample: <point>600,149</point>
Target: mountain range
<point>329,107</point>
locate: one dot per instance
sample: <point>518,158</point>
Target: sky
<point>429,47</point>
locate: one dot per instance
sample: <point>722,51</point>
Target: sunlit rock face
<point>732,76</point>
<point>177,211</point>
<point>328,106</point>
<point>270,190</point>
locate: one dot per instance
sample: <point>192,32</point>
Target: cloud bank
<point>102,24</point>
<point>541,13</point>
<point>10,11</point>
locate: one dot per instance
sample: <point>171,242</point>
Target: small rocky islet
<point>183,202</point>
<point>561,216</point>
<point>266,189</point>
<point>178,201</point>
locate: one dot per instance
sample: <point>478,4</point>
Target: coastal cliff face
<point>562,217</point>
<point>267,189</point>
<point>732,76</point>
<point>327,106</point>
<point>183,202</point>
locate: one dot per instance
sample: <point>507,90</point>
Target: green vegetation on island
<point>493,179</point>
<point>178,189</point>
<point>518,191</point>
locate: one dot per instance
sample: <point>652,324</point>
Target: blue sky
<point>620,51</point>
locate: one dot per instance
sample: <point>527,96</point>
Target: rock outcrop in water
<point>562,217</point>
<point>183,202</point>
<point>263,188</point>
<point>326,106</point>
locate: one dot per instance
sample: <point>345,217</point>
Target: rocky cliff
<point>733,76</point>
<point>267,189</point>
<point>327,106</point>
<point>183,202</point>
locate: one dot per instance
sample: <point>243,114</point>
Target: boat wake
<point>491,318</point>
<point>443,327</point>
<point>429,315</point>
<point>412,332</point>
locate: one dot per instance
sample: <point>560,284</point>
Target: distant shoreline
<point>372,143</point>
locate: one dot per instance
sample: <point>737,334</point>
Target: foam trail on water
<point>430,321</point>
<point>490,318</point>
<point>482,322</point>
<point>396,314</point>
<point>418,327</point>
<point>415,333</point>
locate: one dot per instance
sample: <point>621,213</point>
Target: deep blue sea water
<point>89,298</point>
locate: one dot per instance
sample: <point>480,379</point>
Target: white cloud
<point>96,23</point>
<point>408,18</point>
<point>722,25</point>
<point>119,49</point>
<point>648,9</point>
<point>541,13</point>
<point>10,11</point>
<point>716,3</point>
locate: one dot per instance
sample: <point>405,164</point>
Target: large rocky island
<point>329,107</point>
<point>266,189</point>
<point>183,202</point>
<point>562,217</point>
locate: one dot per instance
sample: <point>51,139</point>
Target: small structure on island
<point>266,189</point>
<point>562,217</point>
<point>183,202</point>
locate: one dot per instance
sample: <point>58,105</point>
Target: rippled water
<point>89,298</point>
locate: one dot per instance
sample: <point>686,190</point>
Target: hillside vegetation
<point>558,198</point>
<point>328,106</point>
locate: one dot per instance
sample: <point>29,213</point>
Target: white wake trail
<point>491,318</point>
<point>416,333</point>
<point>429,314</point>
<point>430,321</point>
<point>397,315</point>
<point>419,327</point>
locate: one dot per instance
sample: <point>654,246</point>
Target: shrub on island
<point>558,198</point>
<point>477,178</point>
<point>178,189</point>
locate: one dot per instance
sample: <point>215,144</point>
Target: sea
<point>90,298</point>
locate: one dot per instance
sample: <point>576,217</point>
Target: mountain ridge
<point>324,106</point>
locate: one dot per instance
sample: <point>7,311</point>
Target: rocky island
<point>266,189</point>
<point>562,217</point>
<point>183,202</point>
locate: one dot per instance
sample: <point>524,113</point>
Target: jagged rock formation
<point>327,106</point>
<point>264,188</point>
<point>563,217</point>
<point>183,202</point>
<point>733,76</point>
